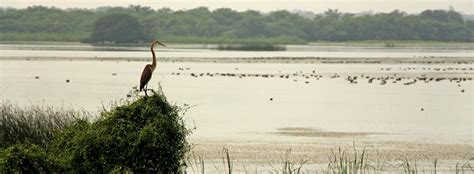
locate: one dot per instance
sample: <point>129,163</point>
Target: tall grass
<point>343,162</point>
<point>290,167</point>
<point>195,163</point>
<point>409,166</point>
<point>34,124</point>
<point>227,161</point>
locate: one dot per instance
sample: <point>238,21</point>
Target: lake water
<point>200,51</point>
<point>249,107</point>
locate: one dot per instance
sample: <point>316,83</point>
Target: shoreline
<point>318,43</point>
<point>265,154</point>
<point>295,60</point>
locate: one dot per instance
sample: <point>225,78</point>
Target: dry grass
<point>33,124</point>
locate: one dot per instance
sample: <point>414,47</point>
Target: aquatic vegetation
<point>252,47</point>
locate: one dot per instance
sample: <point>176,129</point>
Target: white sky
<point>317,6</point>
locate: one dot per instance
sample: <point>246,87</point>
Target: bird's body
<point>148,70</point>
<point>146,76</point>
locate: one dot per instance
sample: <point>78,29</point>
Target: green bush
<point>147,135</point>
<point>27,159</point>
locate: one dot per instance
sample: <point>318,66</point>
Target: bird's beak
<point>158,42</point>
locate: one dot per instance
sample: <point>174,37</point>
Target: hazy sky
<point>410,6</point>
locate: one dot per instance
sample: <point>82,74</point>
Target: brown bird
<point>149,68</point>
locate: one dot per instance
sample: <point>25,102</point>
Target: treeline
<point>226,25</point>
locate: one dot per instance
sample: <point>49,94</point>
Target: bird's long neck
<point>153,65</point>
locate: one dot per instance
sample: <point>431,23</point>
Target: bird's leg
<point>146,89</point>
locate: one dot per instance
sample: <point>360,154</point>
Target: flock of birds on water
<point>352,79</point>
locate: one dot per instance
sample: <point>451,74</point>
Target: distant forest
<point>201,25</point>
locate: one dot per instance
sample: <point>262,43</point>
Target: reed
<point>343,162</point>
<point>34,124</point>
<point>290,167</point>
<point>409,166</point>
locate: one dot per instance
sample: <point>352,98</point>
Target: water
<point>234,107</point>
<point>200,51</point>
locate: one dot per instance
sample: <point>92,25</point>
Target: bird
<point>149,68</point>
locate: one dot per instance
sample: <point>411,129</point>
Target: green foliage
<point>201,25</point>
<point>39,23</point>
<point>27,159</point>
<point>117,28</point>
<point>147,135</point>
<point>44,36</point>
<point>233,40</point>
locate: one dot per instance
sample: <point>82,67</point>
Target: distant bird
<point>149,68</point>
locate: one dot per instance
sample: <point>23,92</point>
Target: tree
<point>117,28</point>
<point>120,24</point>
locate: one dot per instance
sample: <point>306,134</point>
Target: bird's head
<point>158,42</point>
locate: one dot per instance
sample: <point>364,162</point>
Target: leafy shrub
<point>27,159</point>
<point>146,136</point>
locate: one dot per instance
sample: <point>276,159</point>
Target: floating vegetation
<point>251,47</point>
<point>311,132</point>
<point>389,44</point>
